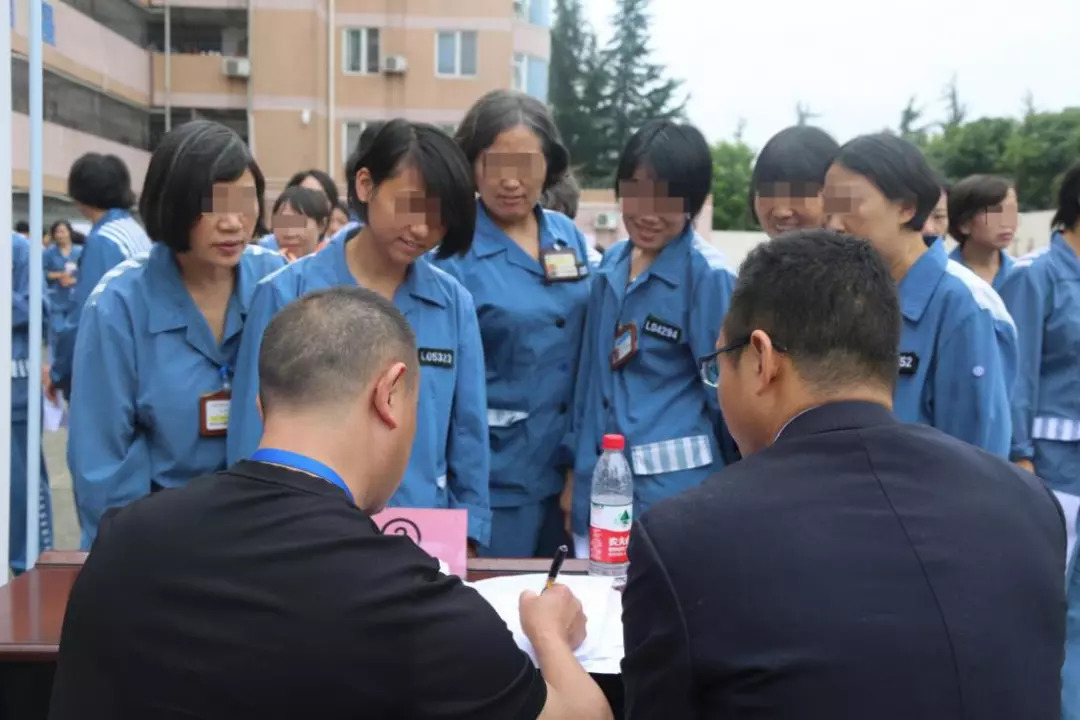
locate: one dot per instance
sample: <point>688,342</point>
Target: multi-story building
<point>297,78</point>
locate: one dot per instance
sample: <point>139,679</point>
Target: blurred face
<point>652,216</point>
<point>223,230</point>
<point>510,174</point>
<point>855,206</point>
<point>61,235</point>
<point>995,226</point>
<point>405,222</point>
<point>781,207</point>
<point>338,220</point>
<point>297,234</point>
<point>938,222</point>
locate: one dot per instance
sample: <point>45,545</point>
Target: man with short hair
<point>850,567</point>
<point>266,591</point>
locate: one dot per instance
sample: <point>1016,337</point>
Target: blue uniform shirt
<point>532,332</point>
<point>113,239</point>
<point>670,418</point>
<point>958,353</point>
<point>150,358</point>
<point>53,260</point>
<point>1003,270</point>
<point>351,226</point>
<point>448,467</point>
<point>20,325</point>
<point>269,242</point>
<point>1043,295</point>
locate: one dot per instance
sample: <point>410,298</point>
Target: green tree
<point>1042,147</point>
<point>910,128</point>
<point>956,111</point>
<point>733,164</point>
<point>576,86</point>
<point>637,89</point>
<point>973,147</point>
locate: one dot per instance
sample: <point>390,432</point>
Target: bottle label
<point>609,532</point>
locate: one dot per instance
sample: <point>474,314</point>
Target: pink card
<point>442,534</point>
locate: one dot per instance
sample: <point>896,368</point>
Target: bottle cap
<point>614,442</point>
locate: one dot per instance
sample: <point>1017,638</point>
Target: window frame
<point>457,74</point>
<point>364,34</point>
<point>346,148</point>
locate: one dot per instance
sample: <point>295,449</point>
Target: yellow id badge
<point>214,413</point>
<point>560,265</point>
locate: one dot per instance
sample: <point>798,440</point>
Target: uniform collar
<point>1066,255</point>
<point>918,285</point>
<point>669,265</point>
<point>490,239</point>
<point>1006,261</point>
<point>108,217</point>
<point>421,282</point>
<point>843,415</point>
<point>173,308</point>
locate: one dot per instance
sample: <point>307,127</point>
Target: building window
<point>455,53</point>
<point>537,12</point>
<point>531,76</point>
<point>350,137</point>
<point>360,51</point>
<point>520,79</point>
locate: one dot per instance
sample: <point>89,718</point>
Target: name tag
<point>214,413</point>
<point>625,345</point>
<point>909,363</point>
<point>436,357</point>
<point>560,265</point>
<point>70,267</point>
<point>662,330</point>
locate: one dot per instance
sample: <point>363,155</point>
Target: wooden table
<point>32,612</point>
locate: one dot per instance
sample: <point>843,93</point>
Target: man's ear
<point>766,357</point>
<point>389,394</point>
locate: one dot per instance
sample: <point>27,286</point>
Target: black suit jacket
<point>858,569</point>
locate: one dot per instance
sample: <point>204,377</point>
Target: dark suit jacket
<point>858,569</point>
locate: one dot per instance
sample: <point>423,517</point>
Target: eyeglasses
<point>709,365</point>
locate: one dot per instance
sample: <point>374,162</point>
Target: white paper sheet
<point>1070,508</point>
<point>602,650</point>
<point>54,415</point>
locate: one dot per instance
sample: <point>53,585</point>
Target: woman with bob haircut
<point>61,262</point>
<point>316,181</point>
<point>785,187</point>
<point>1043,294</point>
<point>958,343</point>
<point>300,217</point>
<point>528,272</point>
<point>413,190</point>
<point>159,335</point>
<point>983,217</point>
<point>656,306</point>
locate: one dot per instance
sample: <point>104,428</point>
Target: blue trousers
<point>42,518</point>
<point>533,530</point>
<point>1058,463</point>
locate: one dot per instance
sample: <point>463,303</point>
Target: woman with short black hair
<point>158,338</point>
<point>958,343</point>
<point>1043,294</point>
<point>528,272</point>
<point>61,262</point>
<point>414,192</point>
<point>656,306</point>
<point>983,217</point>
<point>300,217</point>
<point>785,187</point>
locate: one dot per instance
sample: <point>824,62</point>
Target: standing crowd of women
<point>532,347</point>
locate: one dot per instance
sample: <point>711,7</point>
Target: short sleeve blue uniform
<point>1003,269</point>
<point>114,238</point>
<point>448,467</point>
<point>61,299</point>
<point>20,386</point>
<point>150,357</point>
<point>958,353</point>
<point>532,332</point>
<point>657,400</point>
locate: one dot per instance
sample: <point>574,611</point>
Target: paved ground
<point>65,527</point>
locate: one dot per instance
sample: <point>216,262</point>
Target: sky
<point>856,63</point>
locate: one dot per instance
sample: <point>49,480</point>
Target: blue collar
<point>108,217</point>
<point>421,279</point>
<point>1065,253</point>
<point>670,265</point>
<point>917,287</point>
<point>304,464</point>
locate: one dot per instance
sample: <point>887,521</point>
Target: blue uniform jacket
<point>60,298</point>
<point>1003,271</point>
<point>958,353</point>
<point>20,325</point>
<point>449,464</point>
<point>670,418</point>
<point>113,239</point>
<point>150,357</point>
<point>269,242</point>
<point>349,227</point>
<point>532,332</point>
<point>1043,295</point>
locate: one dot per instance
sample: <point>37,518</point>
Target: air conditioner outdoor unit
<point>607,221</point>
<point>235,67</point>
<point>395,64</point>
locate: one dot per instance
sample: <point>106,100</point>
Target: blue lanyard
<point>303,464</point>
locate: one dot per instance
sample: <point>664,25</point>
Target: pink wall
<point>62,146</point>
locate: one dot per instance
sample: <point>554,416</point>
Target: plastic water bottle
<point>612,511</point>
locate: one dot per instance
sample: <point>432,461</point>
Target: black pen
<point>556,565</point>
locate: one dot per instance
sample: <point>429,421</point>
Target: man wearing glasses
<point>850,566</point>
